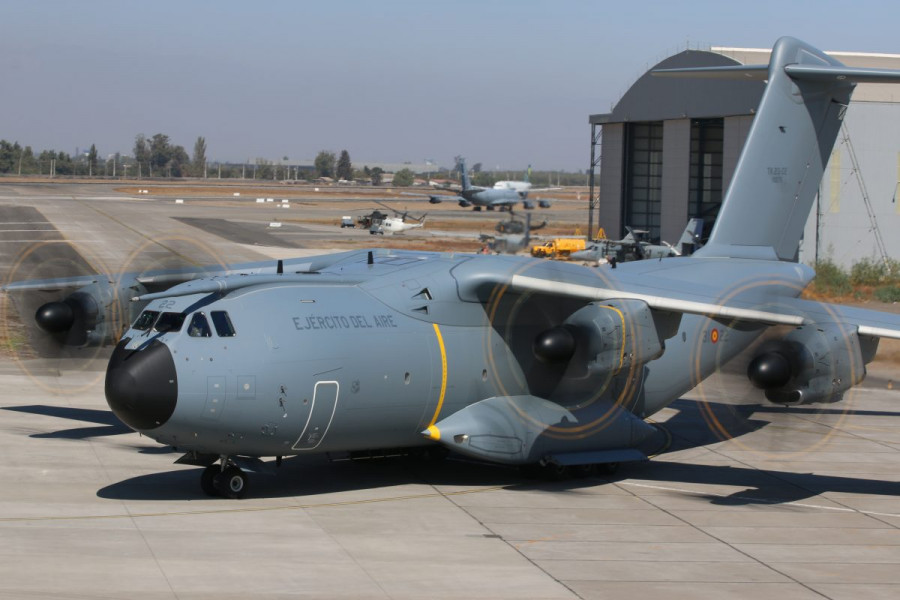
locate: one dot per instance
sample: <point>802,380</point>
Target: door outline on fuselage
<point>312,410</point>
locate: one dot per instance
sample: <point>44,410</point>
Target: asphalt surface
<point>747,500</point>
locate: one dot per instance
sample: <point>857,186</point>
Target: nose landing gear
<point>225,479</point>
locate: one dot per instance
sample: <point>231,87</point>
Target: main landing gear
<point>224,479</point>
<point>551,471</point>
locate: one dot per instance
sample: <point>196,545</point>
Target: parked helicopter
<point>636,246</point>
<point>397,223</point>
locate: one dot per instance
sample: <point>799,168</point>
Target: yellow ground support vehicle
<point>558,248</point>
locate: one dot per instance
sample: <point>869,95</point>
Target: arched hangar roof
<point>660,98</point>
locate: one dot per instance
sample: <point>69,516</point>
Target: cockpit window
<point>169,321</point>
<point>222,323</point>
<point>146,319</point>
<point>199,326</point>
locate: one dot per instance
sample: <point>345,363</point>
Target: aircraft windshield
<point>169,321</point>
<point>222,323</point>
<point>144,321</point>
<point>199,326</point>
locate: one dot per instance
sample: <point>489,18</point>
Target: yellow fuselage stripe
<point>440,339</point>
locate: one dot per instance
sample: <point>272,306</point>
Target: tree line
<point>157,156</point>
<point>19,160</point>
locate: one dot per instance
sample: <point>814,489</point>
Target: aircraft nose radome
<point>141,385</point>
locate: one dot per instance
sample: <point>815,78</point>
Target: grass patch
<point>831,279</point>
<point>888,294</point>
<point>875,272</point>
<point>867,279</point>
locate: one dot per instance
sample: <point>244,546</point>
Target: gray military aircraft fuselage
<point>488,197</point>
<point>361,355</point>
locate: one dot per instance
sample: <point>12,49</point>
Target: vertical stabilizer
<point>690,237</point>
<point>778,173</point>
<point>464,175</point>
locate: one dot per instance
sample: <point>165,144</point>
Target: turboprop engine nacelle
<point>614,336</point>
<point>86,317</point>
<point>602,345</point>
<point>813,363</point>
<point>78,319</point>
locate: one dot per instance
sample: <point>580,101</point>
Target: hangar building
<point>669,147</point>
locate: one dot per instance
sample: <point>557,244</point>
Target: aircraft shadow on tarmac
<point>699,424</point>
<point>303,478</point>
<point>310,476</point>
<point>107,423</point>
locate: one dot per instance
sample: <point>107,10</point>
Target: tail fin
<point>690,238</point>
<point>777,176</point>
<point>464,175</point>
<point>528,175</point>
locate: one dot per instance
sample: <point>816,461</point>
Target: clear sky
<point>501,82</point>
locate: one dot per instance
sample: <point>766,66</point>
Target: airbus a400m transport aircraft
<point>504,198</point>
<point>502,358</point>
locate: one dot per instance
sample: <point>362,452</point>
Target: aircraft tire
<point>547,472</point>
<point>231,483</point>
<point>554,472</point>
<point>207,480</point>
<point>435,454</point>
<point>582,471</point>
<point>607,468</point>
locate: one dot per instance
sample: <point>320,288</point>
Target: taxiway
<point>748,499</point>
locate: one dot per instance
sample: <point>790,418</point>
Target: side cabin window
<point>199,326</point>
<point>146,319</point>
<point>222,323</point>
<point>169,322</point>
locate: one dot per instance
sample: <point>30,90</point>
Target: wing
<point>871,323</point>
<point>436,198</point>
<point>91,310</point>
<point>673,290</point>
<point>675,303</point>
<point>792,311</point>
<point>821,355</point>
<point>51,285</point>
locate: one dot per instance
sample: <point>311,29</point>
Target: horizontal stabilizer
<point>755,72</point>
<point>824,73</point>
<point>803,72</point>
